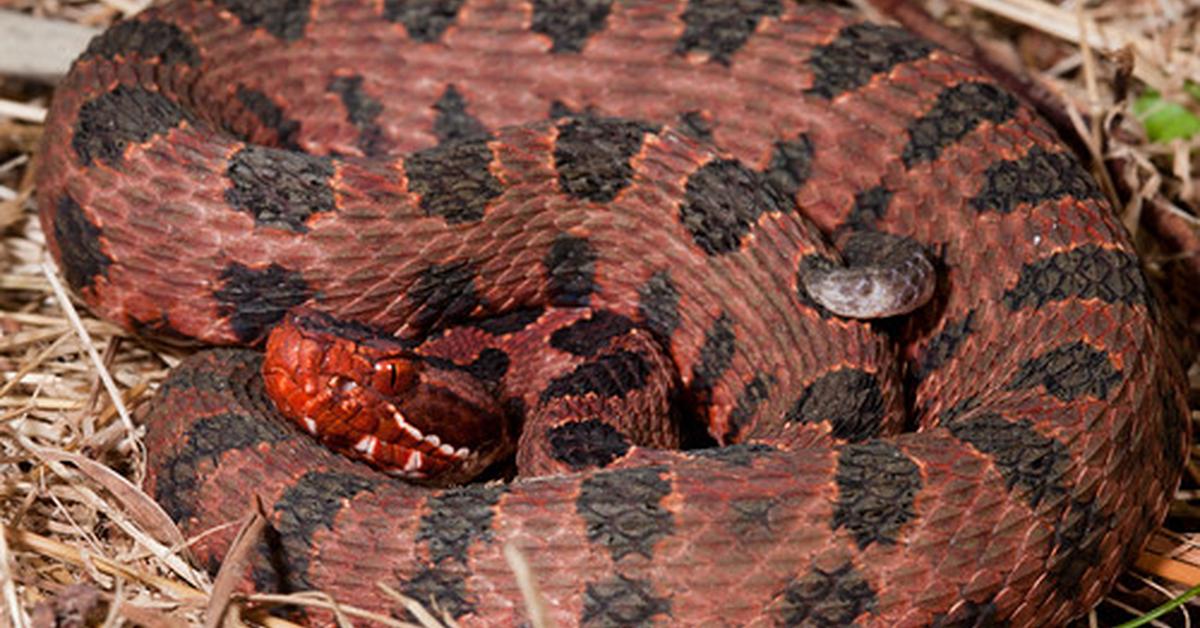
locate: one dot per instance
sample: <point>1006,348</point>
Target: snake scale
<point>564,209</point>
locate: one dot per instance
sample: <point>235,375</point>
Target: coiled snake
<point>561,216</point>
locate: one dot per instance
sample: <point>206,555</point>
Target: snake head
<point>371,397</point>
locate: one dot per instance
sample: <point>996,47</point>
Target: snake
<point>794,318</point>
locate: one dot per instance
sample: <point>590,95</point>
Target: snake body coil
<point>644,235</point>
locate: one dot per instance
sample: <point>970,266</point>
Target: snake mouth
<point>374,400</point>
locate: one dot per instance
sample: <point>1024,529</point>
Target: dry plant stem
<point>23,339</point>
<point>261,618</point>
<point>144,510</point>
<point>1133,612</point>
<point>22,111</point>
<point>316,599</point>
<point>87,416</point>
<point>115,604</point>
<point>1166,593</point>
<point>234,565</point>
<point>1179,229</point>
<point>160,552</point>
<point>45,546</point>
<point>535,606</point>
<point>149,617</point>
<point>424,617</point>
<point>1182,168</point>
<point>110,433</point>
<point>32,365</point>
<point>106,377</point>
<point>1169,568</point>
<point>25,404</point>
<point>8,587</point>
<point>38,48</point>
<point>18,138</point>
<point>1063,24</point>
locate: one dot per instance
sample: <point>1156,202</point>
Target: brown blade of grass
<point>320,600</point>
<point>234,565</point>
<point>425,618</point>
<point>141,508</point>
<point>535,605</point>
<point>151,617</point>
<point>8,588</point>
<point>1166,567</point>
<point>68,308</point>
<point>50,548</point>
<point>167,555</point>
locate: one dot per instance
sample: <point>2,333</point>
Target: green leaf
<point>1165,120</point>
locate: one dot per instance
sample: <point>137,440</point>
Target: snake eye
<point>394,376</point>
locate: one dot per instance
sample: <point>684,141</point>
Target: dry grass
<point>78,540</point>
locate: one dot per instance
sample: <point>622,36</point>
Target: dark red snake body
<point>210,166</point>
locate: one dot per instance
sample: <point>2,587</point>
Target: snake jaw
<point>371,399</point>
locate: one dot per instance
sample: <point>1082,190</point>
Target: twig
<point>316,599</point>
<point>69,309</point>
<point>1063,24</point>
<point>1169,568</point>
<point>21,111</point>
<point>54,549</point>
<point>8,587</point>
<point>37,48</point>
<point>234,565</point>
<point>535,606</point>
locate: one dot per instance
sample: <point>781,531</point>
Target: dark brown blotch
<point>107,124</point>
<point>877,488</point>
<point>1037,177</point>
<point>81,252</point>
<point>587,336</point>
<point>592,156</point>
<point>1069,371</point>
<point>443,295</point>
<point>587,443</point>
<point>309,505</point>
<point>959,110</point>
<point>1025,458</point>
<point>623,510</point>
<point>453,121</point>
<point>457,518</point>
<point>612,376</point>
<point>424,20</point>
<point>825,597</point>
<point>569,23</point>
<point>146,39</point>
<point>280,188</point>
<point>860,52</point>
<point>1084,272</point>
<point>722,27</point>
<point>723,201</point>
<point>362,110</point>
<point>570,267</point>
<point>850,399</point>
<point>285,19</point>
<point>454,179</point>
<point>254,299</point>
<point>623,601</point>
